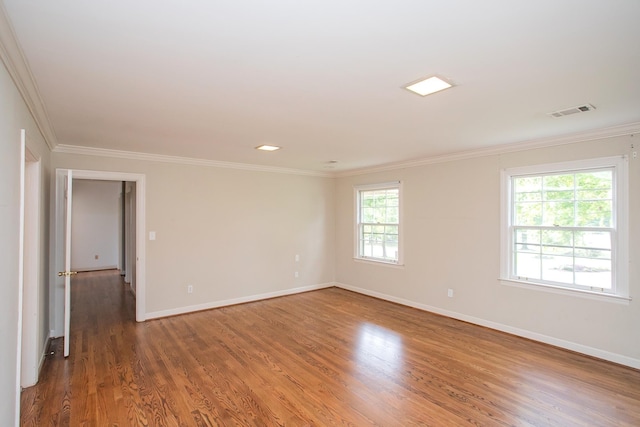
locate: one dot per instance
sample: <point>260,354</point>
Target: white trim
<point>373,261</point>
<point>43,356</point>
<point>132,155</point>
<point>356,248</point>
<point>140,180</point>
<point>570,166</point>
<point>568,345</point>
<point>68,218</point>
<point>18,68</point>
<point>599,296</point>
<point>620,245</point>
<point>378,186</point>
<point>32,280</point>
<point>234,301</point>
<point>23,151</point>
<point>592,135</point>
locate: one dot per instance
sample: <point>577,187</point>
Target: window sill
<point>618,299</point>
<point>378,262</point>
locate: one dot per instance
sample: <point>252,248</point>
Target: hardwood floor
<point>328,357</point>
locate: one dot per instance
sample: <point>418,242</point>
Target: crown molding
<point>608,132</point>
<point>133,155</point>
<point>16,64</point>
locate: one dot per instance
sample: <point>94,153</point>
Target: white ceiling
<point>323,79</point>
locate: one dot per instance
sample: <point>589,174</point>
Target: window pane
<point>594,180</point>
<point>379,206</point>
<point>557,269</point>
<point>594,213</point>
<point>563,226</point>
<point>558,213</point>
<point>391,230</point>
<point>605,194</point>
<point>368,215</point>
<point>393,215</point>
<point>527,236</point>
<point>593,253</point>
<point>558,182</point>
<point>367,199</point>
<point>558,237</point>
<point>528,197</point>
<point>558,195</point>
<point>527,265</point>
<point>528,213</point>
<point>527,184</point>
<point>392,198</point>
<point>593,239</point>
<point>379,215</point>
<point>594,273</point>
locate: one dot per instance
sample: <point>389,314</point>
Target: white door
<point>67,273</point>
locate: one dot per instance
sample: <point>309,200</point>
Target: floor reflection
<point>379,349</point>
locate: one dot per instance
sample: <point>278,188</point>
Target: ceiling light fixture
<point>268,147</point>
<point>428,86</point>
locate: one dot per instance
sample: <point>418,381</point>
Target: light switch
<point>152,235</point>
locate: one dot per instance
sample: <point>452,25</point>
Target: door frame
<point>32,356</point>
<point>57,296</point>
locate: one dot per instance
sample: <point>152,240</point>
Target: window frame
<point>619,227</point>
<point>358,189</point>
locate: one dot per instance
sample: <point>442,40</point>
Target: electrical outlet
<point>190,289</point>
<point>450,293</point>
<point>297,258</point>
<point>296,274</point>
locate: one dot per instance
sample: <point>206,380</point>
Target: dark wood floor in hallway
<point>322,358</point>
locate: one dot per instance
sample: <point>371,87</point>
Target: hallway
<point>102,327</point>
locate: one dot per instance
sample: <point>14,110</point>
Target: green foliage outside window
<point>562,227</point>
<point>379,219</point>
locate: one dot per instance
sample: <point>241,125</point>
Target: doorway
<point>61,293</point>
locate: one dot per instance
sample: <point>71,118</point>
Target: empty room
<point>320,213</point>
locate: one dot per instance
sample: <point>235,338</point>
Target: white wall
<point>14,116</point>
<point>94,230</point>
<point>452,240</point>
<point>232,234</point>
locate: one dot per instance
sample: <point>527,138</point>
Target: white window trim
<point>356,252</point>
<point>621,221</point>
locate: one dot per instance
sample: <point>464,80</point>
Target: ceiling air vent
<point>573,110</point>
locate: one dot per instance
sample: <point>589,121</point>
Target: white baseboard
<point>43,355</point>
<point>568,345</point>
<point>234,301</point>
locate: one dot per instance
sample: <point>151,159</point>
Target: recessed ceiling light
<point>428,86</point>
<point>268,148</point>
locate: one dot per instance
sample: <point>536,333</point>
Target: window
<point>378,222</point>
<point>565,225</point>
